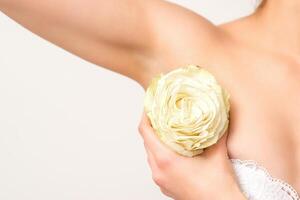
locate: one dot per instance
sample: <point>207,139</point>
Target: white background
<point>68,128</point>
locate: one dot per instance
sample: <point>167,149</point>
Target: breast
<point>255,182</point>
<point>263,131</point>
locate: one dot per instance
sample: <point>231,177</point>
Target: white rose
<point>188,109</point>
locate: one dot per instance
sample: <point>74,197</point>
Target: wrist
<point>229,191</point>
<point>233,191</point>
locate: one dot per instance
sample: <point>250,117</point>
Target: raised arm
<point>131,37</point>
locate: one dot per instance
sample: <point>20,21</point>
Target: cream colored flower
<point>188,109</point>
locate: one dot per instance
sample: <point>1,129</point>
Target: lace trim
<point>285,186</point>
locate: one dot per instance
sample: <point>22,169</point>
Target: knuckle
<point>141,128</point>
<point>158,179</point>
<point>165,192</point>
<point>148,159</point>
<point>165,162</point>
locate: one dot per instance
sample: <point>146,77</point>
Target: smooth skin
<point>256,58</point>
<point>209,176</point>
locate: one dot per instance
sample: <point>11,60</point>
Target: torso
<point>265,111</point>
<point>265,103</point>
<point>264,86</point>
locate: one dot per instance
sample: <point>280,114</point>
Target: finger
<point>156,173</point>
<point>151,161</point>
<point>165,192</point>
<point>152,142</point>
<point>220,148</point>
<point>222,143</point>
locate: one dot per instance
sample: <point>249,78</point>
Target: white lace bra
<point>257,184</point>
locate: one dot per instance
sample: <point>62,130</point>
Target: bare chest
<point>265,107</point>
<point>265,122</point>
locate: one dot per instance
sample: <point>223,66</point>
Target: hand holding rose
<point>188,109</point>
<point>188,112</point>
<point>206,177</point>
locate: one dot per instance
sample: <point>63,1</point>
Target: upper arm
<point>131,37</point>
<point>113,34</point>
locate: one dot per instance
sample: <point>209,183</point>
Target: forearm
<point>227,189</point>
<point>235,193</point>
<point>220,194</point>
<point>229,192</point>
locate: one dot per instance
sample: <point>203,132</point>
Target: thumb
<point>219,148</point>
